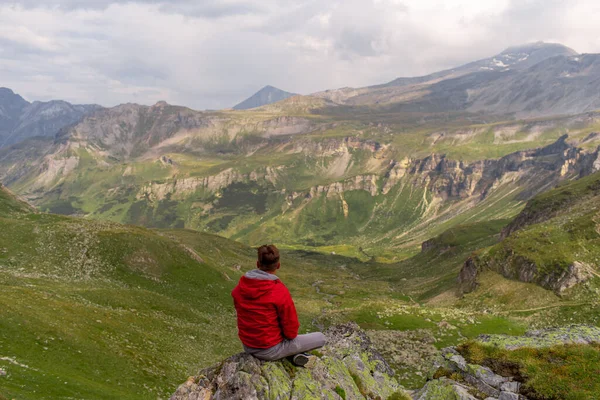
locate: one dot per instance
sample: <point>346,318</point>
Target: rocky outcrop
<point>179,188</point>
<point>520,268</point>
<point>334,146</point>
<point>467,277</point>
<point>362,182</point>
<point>347,368</point>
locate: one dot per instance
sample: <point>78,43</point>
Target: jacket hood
<point>260,275</point>
<point>256,283</point>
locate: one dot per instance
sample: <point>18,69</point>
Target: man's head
<point>268,258</point>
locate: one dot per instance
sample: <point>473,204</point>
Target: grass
<point>565,372</point>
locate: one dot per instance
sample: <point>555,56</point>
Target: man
<point>266,315</point>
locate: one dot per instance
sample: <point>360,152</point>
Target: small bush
<point>341,392</point>
<point>442,373</point>
<point>399,396</point>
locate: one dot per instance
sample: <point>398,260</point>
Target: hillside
<point>146,306</point>
<point>553,242</point>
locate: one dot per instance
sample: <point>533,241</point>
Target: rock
<point>442,389</point>
<point>508,396</point>
<point>347,363</point>
<point>2,372</point>
<point>481,386</point>
<point>486,375</point>
<point>467,277</point>
<point>458,363</point>
<point>512,387</point>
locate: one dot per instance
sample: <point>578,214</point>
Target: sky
<point>212,54</point>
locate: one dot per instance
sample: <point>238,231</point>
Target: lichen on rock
<point>347,364</point>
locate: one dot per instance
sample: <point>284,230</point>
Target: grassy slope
<point>558,228</point>
<point>101,310</point>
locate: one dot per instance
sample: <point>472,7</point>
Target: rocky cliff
<point>347,368</point>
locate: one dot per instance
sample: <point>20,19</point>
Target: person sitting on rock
<point>266,315</point>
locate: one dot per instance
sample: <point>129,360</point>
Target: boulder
<point>347,368</point>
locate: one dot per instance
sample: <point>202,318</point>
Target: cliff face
<point>445,178</point>
<point>347,368</point>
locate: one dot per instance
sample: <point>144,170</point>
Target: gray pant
<point>300,344</point>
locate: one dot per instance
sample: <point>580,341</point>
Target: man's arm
<point>286,312</point>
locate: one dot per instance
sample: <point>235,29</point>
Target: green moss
<point>441,390</point>
<point>279,381</point>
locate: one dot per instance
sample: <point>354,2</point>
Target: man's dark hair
<point>268,257</point>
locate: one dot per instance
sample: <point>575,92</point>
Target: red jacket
<point>266,314</point>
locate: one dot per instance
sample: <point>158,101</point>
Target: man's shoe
<point>304,360</point>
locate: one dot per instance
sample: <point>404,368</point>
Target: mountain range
<point>428,210</point>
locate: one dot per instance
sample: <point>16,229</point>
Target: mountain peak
<point>4,90</point>
<point>529,48</point>
<point>267,95</point>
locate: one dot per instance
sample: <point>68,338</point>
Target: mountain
<point>526,81</point>
<point>264,96</point>
<point>12,107</point>
<point>20,119</point>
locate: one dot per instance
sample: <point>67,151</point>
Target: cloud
<point>214,53</point>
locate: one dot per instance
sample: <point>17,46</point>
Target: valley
<point>428,211</point>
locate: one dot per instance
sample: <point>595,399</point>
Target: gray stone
<point>481,386</point>
<point>2,372</point>
<point>458,363</point>
<point>508,396</point>
<point>487,376</point>
<point>512,387</point>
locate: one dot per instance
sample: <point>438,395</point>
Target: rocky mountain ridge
<point>535,80</point>
<point>20,120</point>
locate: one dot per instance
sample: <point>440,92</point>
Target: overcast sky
<point>215,53</point>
